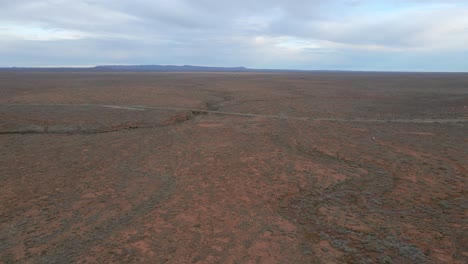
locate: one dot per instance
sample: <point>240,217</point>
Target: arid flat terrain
<point>233,167</point>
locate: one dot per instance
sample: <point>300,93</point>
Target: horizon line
<point>228,68</point>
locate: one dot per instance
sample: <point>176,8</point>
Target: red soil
<point>95,184</point>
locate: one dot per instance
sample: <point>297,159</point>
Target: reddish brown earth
<point>233,168</point>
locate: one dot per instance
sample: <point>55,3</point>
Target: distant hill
<point>171,68</point>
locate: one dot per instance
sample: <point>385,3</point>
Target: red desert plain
<point>305,167</point>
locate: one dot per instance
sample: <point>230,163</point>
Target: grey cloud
<point>296,33</point>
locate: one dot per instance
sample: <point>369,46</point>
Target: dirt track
<point>234,168</point>
<point>204,111</point>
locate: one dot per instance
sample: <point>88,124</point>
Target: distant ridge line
<point>170,68</point>
<point>151,68</point>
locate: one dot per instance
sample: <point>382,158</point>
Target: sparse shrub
<point>385,260</point>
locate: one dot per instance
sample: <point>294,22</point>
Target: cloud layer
<point>337,34</point>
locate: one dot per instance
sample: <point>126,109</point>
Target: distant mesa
<point>170,68</point>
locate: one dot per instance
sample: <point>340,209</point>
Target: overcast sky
<point>398,35</point>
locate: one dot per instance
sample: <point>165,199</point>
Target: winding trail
<point>331,119</point>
